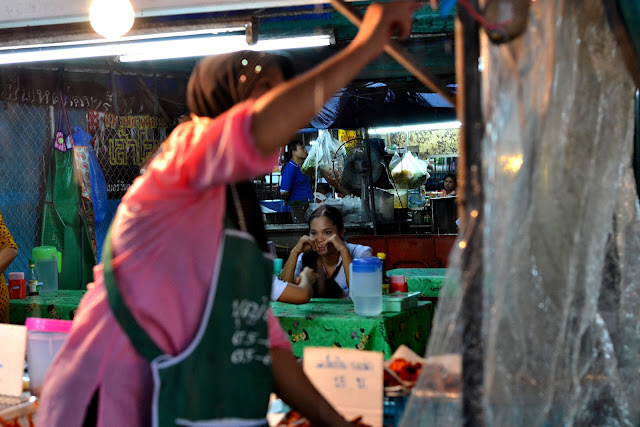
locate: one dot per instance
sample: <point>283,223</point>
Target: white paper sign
<point>351,380</point>
<point>12,352</point>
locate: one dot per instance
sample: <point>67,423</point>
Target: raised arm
<point>289,269</point>
<point>282,111</point>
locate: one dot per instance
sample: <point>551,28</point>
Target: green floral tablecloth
<point>59,305</point>
<point>333,323</point>
<point>427,281</point>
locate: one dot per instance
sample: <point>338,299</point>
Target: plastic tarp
<point>378,105</point>
<point>561,234</point>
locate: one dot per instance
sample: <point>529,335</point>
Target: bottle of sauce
<point>385,279</point>
<point>32,284</point>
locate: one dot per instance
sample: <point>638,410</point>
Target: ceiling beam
<point>24,13</point>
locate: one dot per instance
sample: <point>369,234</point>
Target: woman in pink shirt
<point>172,257</point>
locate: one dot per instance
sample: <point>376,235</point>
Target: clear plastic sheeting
<point>561,234</point>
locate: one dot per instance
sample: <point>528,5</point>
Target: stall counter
<point>56,305</point>
<point>333,323</point>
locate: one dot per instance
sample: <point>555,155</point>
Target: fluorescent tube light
<point>157,46</point>
<point>426,126</point>
<point>216,45</point>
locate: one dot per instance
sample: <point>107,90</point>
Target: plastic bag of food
<point>394,160</point>
<point>411,172</point>
<point>323,161</point>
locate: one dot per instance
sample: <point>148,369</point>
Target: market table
<point>333,323</point>
<point>56,305</point>
<point>427,281</point>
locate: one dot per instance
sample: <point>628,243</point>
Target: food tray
<point>400,301</point>
<point>18,411</point>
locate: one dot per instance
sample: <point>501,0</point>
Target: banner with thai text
<point>122,144</point>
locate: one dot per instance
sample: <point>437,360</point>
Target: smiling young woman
<point>324,251</point>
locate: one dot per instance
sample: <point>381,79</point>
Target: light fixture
<point>222,44</point>
<point>111,18</point>
<point>412,128</point>
<point>158,46</point>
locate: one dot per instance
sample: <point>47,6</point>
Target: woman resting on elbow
<point>324,251</point>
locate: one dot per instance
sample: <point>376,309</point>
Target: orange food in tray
<point>405,370</point>
<point>295,419</point>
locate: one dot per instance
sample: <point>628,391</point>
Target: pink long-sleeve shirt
<point>165,239</point>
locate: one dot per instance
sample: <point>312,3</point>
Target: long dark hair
<point>330,212</point>
<point>327,288</point>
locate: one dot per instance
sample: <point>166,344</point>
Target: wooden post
<point>467,44</point>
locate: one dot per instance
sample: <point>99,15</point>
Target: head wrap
<point>219,82</point>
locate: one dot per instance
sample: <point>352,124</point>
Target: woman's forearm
<point>288,271</point>
<point>281,112</point>
<point>292,385</point>
<point>7,255</point>
<point>296,294</point>
<point>346,262</point>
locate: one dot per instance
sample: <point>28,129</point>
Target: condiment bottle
<point>385,279</point>
<point>32,284</point>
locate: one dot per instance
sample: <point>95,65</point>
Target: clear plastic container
<point>44,339</point>
<point>401,199</point>
<point>47,261</point>
<point>365,285</point>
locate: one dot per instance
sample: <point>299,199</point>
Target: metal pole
<point>371,195</point>
<point>636,143</point>
<point>471,207</point>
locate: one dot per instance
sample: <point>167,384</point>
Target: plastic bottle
<point>32,284</point>
<point>385,279</point>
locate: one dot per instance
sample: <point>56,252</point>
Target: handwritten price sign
<point>351,380</point>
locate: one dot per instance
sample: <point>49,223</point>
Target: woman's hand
<point>382,21</point>
<point>337,243</point>
<point>307,277</point>
<point>305,243</point>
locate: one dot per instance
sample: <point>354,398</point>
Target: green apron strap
<point>138,336</point>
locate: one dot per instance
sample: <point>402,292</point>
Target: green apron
<point>225,372</point>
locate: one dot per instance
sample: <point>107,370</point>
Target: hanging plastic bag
<point>98,183</point>
<point>410,172</point>
<point>325,159</point>
<point>394,160</point>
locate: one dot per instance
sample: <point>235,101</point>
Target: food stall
<point>543,303</point>
<point>382,185</point>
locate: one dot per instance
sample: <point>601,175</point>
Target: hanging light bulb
<point>111,18</point>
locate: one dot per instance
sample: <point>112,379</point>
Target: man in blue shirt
<point>294,185</point>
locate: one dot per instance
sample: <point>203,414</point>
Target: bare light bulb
<point>111,18</point>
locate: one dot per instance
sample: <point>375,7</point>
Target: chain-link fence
<point>24,152</point>
<point>47,196</point>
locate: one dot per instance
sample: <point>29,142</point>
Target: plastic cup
<point>277,266</point>
<point>44,339</point>
<point>398,284</point>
